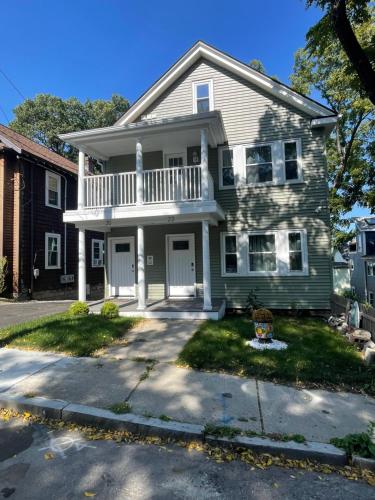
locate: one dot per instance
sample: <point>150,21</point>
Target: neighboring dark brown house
<point>36,187</point>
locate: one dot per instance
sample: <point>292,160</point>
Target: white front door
<point>122,276</point>
<point>181,265</point>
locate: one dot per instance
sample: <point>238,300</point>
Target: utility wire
<point>12,84</point>
<point>4,113</point>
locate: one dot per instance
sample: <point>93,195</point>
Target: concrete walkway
<point>125,373</point>
<point>12,313</point>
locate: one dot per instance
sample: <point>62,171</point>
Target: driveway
<point>12,313</point>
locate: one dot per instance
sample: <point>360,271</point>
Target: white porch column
<point>204,163</point>
<point>139,171</point>
<point>207,305</point>
<point>81,182</point>
<point>141,268</point>
<point>81,265</point>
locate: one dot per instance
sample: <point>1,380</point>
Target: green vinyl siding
<point>250,116</point>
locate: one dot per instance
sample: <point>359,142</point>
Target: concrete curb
<point>137,424</point>
<point>363,463</point>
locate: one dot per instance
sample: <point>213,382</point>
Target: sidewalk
<point>160,388</point>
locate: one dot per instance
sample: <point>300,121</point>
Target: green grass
<point>317,356</point>
<point>78,336</point>
<point>120,408</point>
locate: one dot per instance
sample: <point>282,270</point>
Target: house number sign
<point>150,260</point>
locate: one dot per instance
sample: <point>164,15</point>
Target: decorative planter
<point>263,331</point>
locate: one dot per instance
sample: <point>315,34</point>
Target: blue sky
<point>93,48</point>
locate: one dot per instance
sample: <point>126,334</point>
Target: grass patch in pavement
<point>74,335</point>
<point>317,356</point>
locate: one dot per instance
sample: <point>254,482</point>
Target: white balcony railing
<point>164,185</point>
<point>110,190</point>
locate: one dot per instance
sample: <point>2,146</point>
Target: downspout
<point>32,257</point>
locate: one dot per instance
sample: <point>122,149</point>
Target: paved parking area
<point>12,313</point>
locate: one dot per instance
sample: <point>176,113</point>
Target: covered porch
<point>130,200</point>
<point>190,308</point>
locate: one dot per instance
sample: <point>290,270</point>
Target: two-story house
<point>36,187</point>
<point>215,184</point>
<point>362,260</point>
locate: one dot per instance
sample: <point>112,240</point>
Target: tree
<point>257,65</point>
<point>325,67</point>
<point>341,17</point>
<point>46,116</point>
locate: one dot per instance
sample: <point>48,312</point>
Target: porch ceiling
<point>156,135</point>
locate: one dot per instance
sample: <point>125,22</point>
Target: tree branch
<point>354,51</point>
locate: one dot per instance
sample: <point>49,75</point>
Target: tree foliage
<point>323,66</point>
<point>341,18</point>
<point>257,65</point>
<point>46,116</point>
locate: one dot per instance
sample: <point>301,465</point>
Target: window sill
<point>240,186</point>
<point>52,268</point>
<point>58,207</point>
<point>266,275</point>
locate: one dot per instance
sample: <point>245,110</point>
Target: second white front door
<point>122,276</point>
<point>181,265</point>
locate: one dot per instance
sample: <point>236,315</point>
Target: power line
<point>4,113</point>
<point>12,84</point>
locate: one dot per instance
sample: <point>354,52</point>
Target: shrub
<point>3,273</point>
<point>252,301</point>
<point>262,316</point>
<point>349,294</point>
<point>79,308</point>
<point>358,444</point>
<point>109,310</point>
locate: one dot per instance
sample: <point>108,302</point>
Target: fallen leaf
<point>49,456</point>
<point>89,494</point>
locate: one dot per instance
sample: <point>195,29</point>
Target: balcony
<point>164,185</point>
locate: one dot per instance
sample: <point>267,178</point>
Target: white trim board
<point>201,49</point>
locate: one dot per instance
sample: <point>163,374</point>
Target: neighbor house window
<point>53,183</point>
<point>52,251</point>
<point>258,164</point>
<point>291,161</point>
<point>295,252</point>
<point>371,299</point>
<point>230,254</point>
<point>370,268</point>
<point>227,171</point>
<point>97,253</point>
<point>203,97</point>
<point>262,253</point>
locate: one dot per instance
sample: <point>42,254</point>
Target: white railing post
<point>139,171</point>
<point>141,268</point>
<point>207,305</point>
<point>81,181</point>
<point>204,163</point>
<point>81,265</point>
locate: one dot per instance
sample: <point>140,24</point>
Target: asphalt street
<point>36,462</point>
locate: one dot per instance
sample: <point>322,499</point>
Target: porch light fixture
<point>195,157</point>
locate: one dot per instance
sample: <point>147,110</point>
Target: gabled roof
<point>203,50</point>
<point>22,144</point>
<point>365,223</point>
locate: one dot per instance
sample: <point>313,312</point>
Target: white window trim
<point>299,162</point>
<point>46,237</point>
<point>371,299</point>
<point>221,166</point>
<point>101,248</point>
<point>210,94</point>
<point>278,164</point>
<point>223,253</point>
<point>58,178</point>
<point>282,253</point>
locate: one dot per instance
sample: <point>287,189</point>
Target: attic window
<point>202,97</point>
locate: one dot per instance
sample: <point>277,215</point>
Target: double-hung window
<point>53,190</point>
<point>291,155</point>
<point>230,254</point>
<point>371,298</point>
<point>52,251</point>
<point>262,253</point>
<point>370,268</point>
<point>97,253</point>
<point>295,251</point>
<point>203,97</point>
<point>227,169</point>
<point>258,164</point>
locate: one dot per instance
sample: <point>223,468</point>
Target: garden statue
<point>263,325</point>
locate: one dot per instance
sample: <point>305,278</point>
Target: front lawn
<point>316,356</point>
<point>77,336</point>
